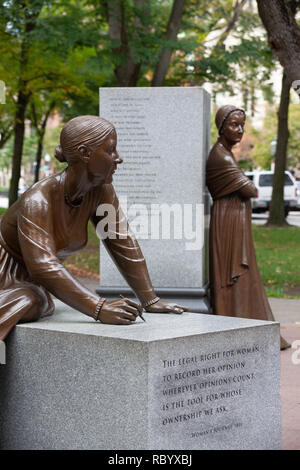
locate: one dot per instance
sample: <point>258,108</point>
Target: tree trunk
<point>127,73</point>
<point>5,136</point>
<point>23,96</point>
<point>40,130</point>
<point>237,10</point>
<point>173,29</point>
<point>283,34</point>
<point>38,158</point>
<point>277,216</point>
<point>19,130</point>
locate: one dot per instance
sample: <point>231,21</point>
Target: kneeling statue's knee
<point>33,304</point>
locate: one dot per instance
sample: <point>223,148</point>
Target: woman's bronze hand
<point>120,311</point>
<point>166,307</point>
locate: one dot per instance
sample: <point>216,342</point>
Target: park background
<point>54,56</point>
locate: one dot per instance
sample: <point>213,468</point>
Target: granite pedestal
<point>175,382</point>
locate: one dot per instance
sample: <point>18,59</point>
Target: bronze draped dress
<point>236,286</point>
<point>38,233</point>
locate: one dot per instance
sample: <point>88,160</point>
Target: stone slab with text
<point>163,137</point>
<point>187,381</point>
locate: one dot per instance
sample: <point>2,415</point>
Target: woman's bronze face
<point>233,129</point>
<point>104,160</point>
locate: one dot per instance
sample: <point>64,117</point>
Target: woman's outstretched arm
<point>124,249</point>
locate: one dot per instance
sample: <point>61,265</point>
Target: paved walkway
<point>287,311</point>
<point>290,389</point>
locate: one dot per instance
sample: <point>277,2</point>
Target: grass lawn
<point>85,263</point>
<point>277,251</point>
<point>278,256</point>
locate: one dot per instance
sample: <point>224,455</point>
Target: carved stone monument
<point>163,138</point>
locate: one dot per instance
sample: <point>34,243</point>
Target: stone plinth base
<point>188,381</point>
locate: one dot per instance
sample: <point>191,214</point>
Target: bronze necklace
<point>71,204</point>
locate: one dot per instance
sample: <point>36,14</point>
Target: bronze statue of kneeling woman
<point>49,222</point>
<point>236,286</point>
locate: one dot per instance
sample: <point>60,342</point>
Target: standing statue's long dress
<point>236,286</point>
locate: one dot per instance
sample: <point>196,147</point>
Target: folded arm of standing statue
<point>248,190</point>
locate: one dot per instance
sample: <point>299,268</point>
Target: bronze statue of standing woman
<point>236,286</point>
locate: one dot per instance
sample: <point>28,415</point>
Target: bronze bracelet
<point>99,306</point>
<point>151,302</point>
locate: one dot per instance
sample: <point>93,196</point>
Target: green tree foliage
<point>46,44</point>
<point>138,31</point>
<point>76,46</point>
<point>243,64</point>
<point>262,138</point>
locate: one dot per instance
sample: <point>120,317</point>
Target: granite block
<point>187,381</point>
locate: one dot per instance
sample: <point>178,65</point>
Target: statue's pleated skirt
<point>236,286</point>
<point>21,300</point>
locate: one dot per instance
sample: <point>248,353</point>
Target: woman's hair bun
<point>59,154</point>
